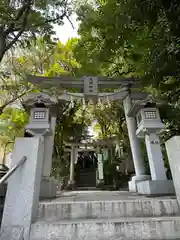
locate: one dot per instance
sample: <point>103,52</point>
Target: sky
<point>66,31</point>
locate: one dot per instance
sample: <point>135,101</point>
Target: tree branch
<point>55,19</point>
<point>23,9</point>
<point>21,31</point>
<point>122,73</point>
<point>21,19</point>
<point>13,100</point>
<point>64,14</point>
<point>20,13</point>
<point>70,22</point>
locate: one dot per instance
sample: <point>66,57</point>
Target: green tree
<point>43,57</point>
<point>135,38</point>
<point>12,90</point>
<point>12,123</point>
<point>48,58</point>
<point>20,20</point>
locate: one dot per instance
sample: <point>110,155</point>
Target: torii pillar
<point>71,182</point>
<point>139,164</point>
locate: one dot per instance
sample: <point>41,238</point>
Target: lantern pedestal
<point>156,187</point>
<point>136,179</point>
<point>42,108</point>
<point>47,189</point>
<point>149,125</point>
<point>155,157</point>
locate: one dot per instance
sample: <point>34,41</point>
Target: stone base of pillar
<point>48,188</point>
<point>100,183</point>
<point>156,187</point>
<point>136,179</point>
<point>71,185</point>
<point>132,186</point>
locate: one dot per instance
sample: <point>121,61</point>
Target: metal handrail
<point>13,169</point>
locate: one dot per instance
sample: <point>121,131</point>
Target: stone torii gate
<point>90,86</point>
<point>77,147</point>
<point>30,154</point>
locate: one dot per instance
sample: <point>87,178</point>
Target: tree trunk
<point>1,55</point>
<point>2,43</point>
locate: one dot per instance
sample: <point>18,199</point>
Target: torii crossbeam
<point>73,82</point>
<point>90,86</point>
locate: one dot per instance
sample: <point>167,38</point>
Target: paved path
<point>78,196</point>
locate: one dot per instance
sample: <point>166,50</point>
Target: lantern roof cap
<point>149,101</point>
<point>39,98</point>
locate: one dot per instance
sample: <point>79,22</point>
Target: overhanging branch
<point>20,13</point>
<point>15,39</point>
<point>13,100</point>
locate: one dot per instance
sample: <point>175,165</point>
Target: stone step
<point>86,185</point>
<point>55,211</point>
<point>87,175</point>
<point>163,228</point>
<point>90,177</point>
<point>87,178</point>
<point>87,171</point>
<point>87,188</point>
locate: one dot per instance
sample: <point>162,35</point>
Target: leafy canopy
<point>21,20</point>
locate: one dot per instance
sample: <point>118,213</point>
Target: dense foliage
<point>119,38</point>
<point>21,20</point>
<point>43,57</point>
<point>135,38</point>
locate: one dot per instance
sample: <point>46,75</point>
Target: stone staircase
<point>86,178</point>
<point>125,219</point>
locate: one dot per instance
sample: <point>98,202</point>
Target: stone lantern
<point>149,125</point>
<point>42,122</point>
<point>40,106</point>
<point>147,116</point>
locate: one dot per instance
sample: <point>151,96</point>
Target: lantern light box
<point>39,120</point>
<point>40,106</point>
<point>147,116</point>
